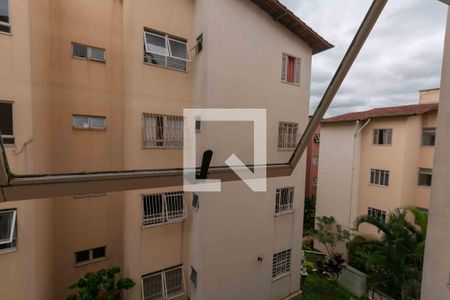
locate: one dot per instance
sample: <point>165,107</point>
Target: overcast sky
<point>402,55</point>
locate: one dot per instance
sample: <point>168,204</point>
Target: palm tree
<point>394,262</point>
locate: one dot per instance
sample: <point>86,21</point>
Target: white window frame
<point>162,273</point>
<point>91,256</point>
<point>428,131</point>
<point>389,136</point>
<point>425,171</point>
<point>168,50</point>
<point>297,69</point>
<point>12,225</point>
<point>89,53</point>
<point>382,175</point>
<point>89,125</point>
<point>7,24</point>
<point>281,264</point>
<point>166,216</point>
<point>377,214</point>
<point>288,205</point>
<point>172,136</point>
<point>287,136</point>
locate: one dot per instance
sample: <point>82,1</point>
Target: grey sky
<point>403,53</point>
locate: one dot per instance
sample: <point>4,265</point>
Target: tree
<point>329,234</point>
<point>101,285</point>
<point>394,262</point>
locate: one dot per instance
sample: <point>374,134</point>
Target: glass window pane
<point>156,44</point>
<point>98,122</point>
<point>81,121</point>
<point>6,118</point>
<point>6,226</point>
<point>178,49</point>
<point>177,64</point>
<point>99,252</point>
<point>79,50</point>
<point>4,11</point>
<point>81,256</point>
<point>97,54</point>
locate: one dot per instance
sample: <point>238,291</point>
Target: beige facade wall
<point>436,272</point>
<point>429,96</point>
<point>48,86</point>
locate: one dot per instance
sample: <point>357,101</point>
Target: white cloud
<point>402,55</point>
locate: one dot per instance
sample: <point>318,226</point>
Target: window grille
<point>284,199</point>
<point>164,284</point>
<point>163,208</point>
<point>382,137</point>
<point>281,264</point>
<point>380,215</point>
<point>162,131</point>
<point>379,177</point>
<point>287,135</point>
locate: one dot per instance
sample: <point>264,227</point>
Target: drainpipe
<point>355,136</point>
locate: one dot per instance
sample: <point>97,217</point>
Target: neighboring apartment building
<point>101,85</point>
<point>312,165</point>
<point>436,271</point>
<point>375,161</point>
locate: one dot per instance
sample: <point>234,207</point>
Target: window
<point>284,199</point>
<point>315,161</point>
<point>425,177</point>
<point>382,136</point>
<point>195,201</point>
<point>198,125</point>
<point>8,230</point>
<point>317,138</point>
<point>163,208</point>
<point>290,69</point>
<point>161,131</point>
<point>428,137</point>
<point>281,264</point>
<point>314,182</point>
<point>380,215</point>
<point>165,51</point>
<point>87,52</point>
<point>379,177</point>
<point>5,25</point>
<point>89,122</point>
<point>287,135</point>
<point>90,255</point>
<point>6,123</point>
<point>193,277</point>
<point>164,284</point>
<point>199,45</point>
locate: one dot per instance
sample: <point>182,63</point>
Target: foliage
<point>316,287</point>
<point>309,215</point>
<point>329,233</point>
<point>394,262</point>
<point>101,285</point>
<point>332,266</point>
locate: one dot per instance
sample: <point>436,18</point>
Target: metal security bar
<point>287,135</point>
<point>163,131</point>
<point>281,264</point>
<point>163,208</point>
<point>164,284</point>
<point>284,200</point>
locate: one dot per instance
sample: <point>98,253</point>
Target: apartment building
<point>101,85</point>
<point>312,165</point>
<point>436,270</point>
<point>375,161</point>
